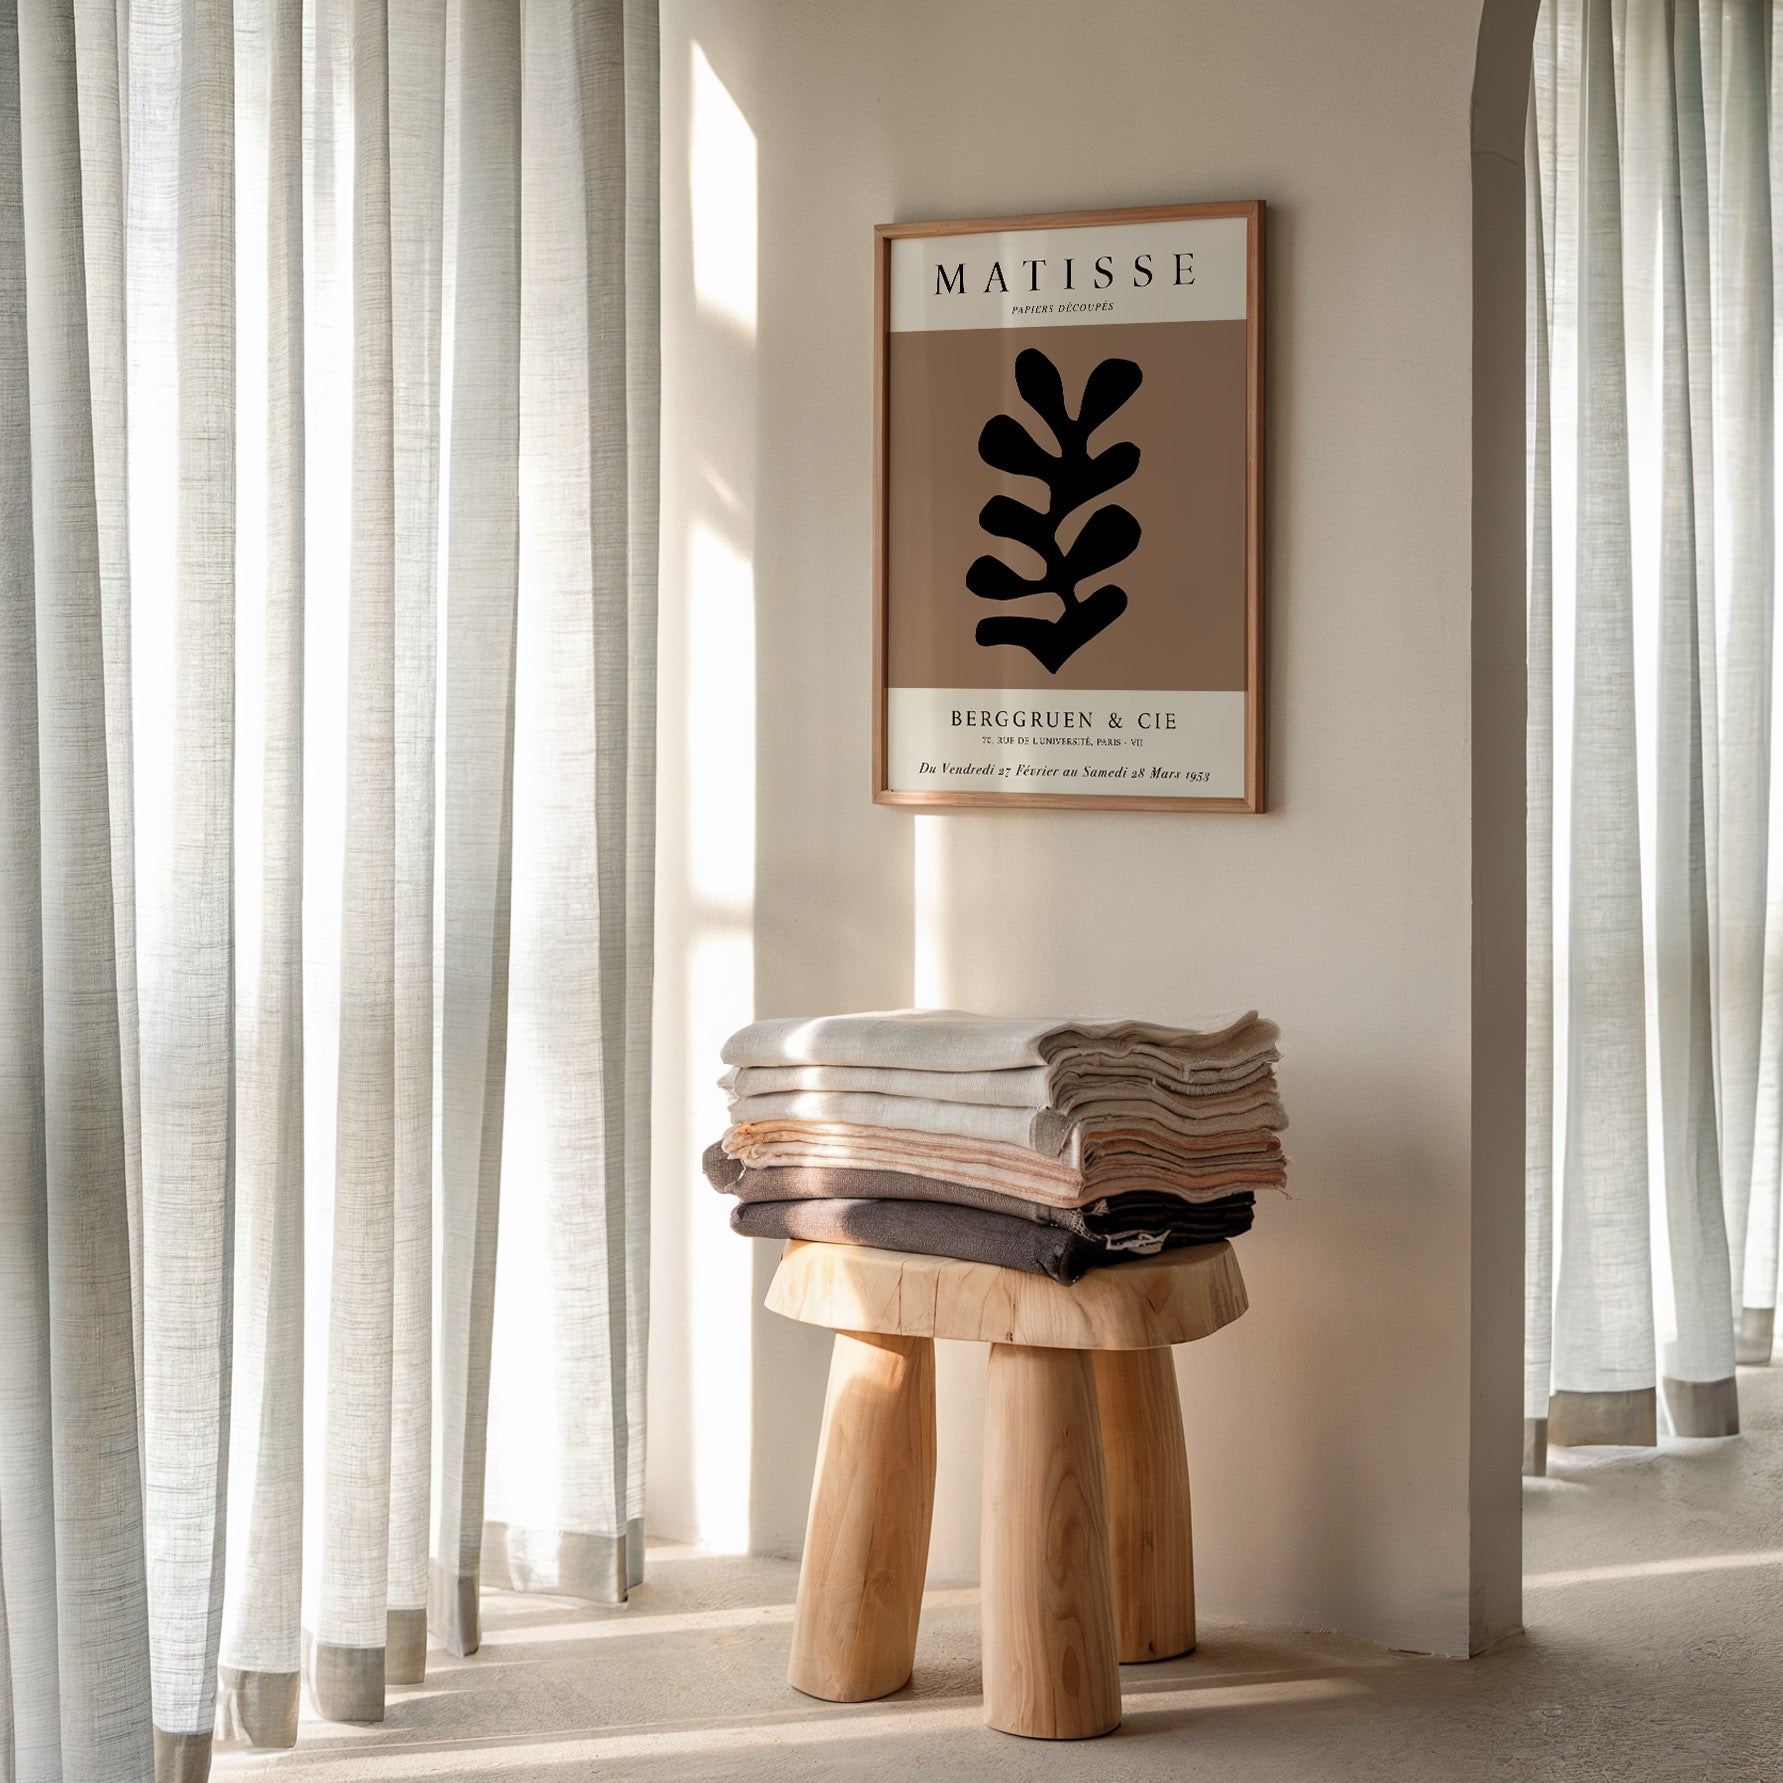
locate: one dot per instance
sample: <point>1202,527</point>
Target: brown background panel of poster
<point>1184,627</point>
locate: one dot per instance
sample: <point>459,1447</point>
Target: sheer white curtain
<point>327,559</point>
<point>1655,851</point>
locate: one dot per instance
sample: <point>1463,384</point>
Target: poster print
<point>1067,515</point>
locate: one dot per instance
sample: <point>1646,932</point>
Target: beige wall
<point>1341,1479</point>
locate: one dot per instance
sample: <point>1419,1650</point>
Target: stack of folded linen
<point>1053,1146</point>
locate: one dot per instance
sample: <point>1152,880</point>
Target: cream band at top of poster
<point>1066,510</point>
<point>1192,270</point>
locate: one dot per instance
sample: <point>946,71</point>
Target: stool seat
<point>1146,1304</point>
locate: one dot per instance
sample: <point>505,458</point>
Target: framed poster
<point>1067,510</point>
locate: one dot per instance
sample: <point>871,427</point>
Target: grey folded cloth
<point>937,1229</point>
<point>1139,1223</point>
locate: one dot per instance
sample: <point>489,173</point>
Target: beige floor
<point>1655,1650</point>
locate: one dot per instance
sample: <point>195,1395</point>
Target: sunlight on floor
<point>1652,1569</point>
<point>1673,1653</point>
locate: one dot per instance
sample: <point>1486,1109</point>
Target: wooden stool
<point>1086,1547</point>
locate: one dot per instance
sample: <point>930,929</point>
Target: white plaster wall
<point>1329,1430</point>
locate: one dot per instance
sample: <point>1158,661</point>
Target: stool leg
<point>1049,1656</point>
<point>867,1540</point>
<point>1148,1504</point>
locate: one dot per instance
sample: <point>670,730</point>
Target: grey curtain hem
<point>346,1683</point>
<point>182,1757</point>
<point>405,1647</point>
<point>1702,1408</point>
<point>571,1562</point>
<point>1755,1336</point>
<point>1624,1420</point>
<point>257,1708</point>
<point>1535,1448</point>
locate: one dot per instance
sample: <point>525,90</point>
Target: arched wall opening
<point>1498,802</point>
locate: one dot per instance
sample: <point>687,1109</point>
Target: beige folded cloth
<point>1109,1163</point>
<point>1083,1081</point>
<point>951,1040</point>
<point>1060,1086</point>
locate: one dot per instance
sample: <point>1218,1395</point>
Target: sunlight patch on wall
<point>720,722</point>
<point>928,963</point>
<point>723,179</point>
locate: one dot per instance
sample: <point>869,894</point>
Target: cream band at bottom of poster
<point>1126,745</point>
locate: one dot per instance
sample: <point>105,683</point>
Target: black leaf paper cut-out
<point>1072,478</point>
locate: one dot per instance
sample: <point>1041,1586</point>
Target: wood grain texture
<point>1149,1530</point>
<point>1146,1304</point>
<point>867,1538</point>
<point>1050,1666</point>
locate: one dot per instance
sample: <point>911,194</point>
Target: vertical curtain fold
<point>31,1688</point>
<point>327,594</point>
<point>480,587</point>
<point>641,262</point>
<point>1656,915</point>
<point>560,1513</point>
<point>1744,407</point>
<point>1745,414</point>
<point>260,1652</point>
<point>182,273</point>
<point>1538,1212</point>
<point>346,1628</point>
<point>101,46</point>
<point>89,1717</point>
<point>1696,1349</point>
<point>417,150</point>
<point>1604,1386</point>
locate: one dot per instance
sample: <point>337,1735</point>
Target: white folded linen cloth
<point>952,1040</point>
<point>1048,1131</point>
<point>1023,1087</point>
<point>1037,1129</point>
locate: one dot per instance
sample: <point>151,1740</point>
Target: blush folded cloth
<point>1053,1132</point>
<point>952,1040</point>
<point>1109,1163</point>
<point>1140,1223</point>
<point>937,1229</point>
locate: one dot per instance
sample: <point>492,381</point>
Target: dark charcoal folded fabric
<point>940,1229</point>
<point>1139,1223</point>
<point>1139,1219</point>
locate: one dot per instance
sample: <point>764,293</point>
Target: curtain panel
<point>1655,1044</point>
<point>328,455</point>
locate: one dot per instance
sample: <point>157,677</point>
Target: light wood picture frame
<point>1060,399</point>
